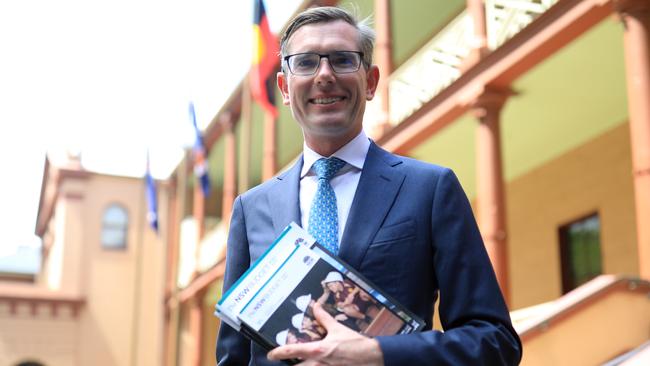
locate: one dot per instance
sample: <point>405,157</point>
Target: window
<point>115,225</point>
<point>580,252</point>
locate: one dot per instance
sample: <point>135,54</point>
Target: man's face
<point>328,106</point>
<point>336,286</point>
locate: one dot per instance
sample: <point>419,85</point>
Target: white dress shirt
<point>344,182</point>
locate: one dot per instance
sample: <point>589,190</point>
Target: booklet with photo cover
<point>272,302</point>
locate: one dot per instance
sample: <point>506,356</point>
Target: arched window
<point>115,225</point>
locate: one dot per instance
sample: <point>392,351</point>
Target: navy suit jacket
<point>412,232</point>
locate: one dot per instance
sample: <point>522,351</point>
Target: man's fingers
<point>296,351</point>
<point>280,353</point>
<point>324,318</point>
<point>310,363</point>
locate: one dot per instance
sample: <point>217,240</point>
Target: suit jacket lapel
<point>378,186</point>
<point>284,198</point>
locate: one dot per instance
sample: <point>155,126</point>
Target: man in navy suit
<point>404,224</point>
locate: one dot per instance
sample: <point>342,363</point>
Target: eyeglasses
<point>342,62</point>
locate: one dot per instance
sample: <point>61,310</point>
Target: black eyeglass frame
<point>320,57</point>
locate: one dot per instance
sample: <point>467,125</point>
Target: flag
<point>152,198</point>
<point>200,159</point>
<point>265,57</point>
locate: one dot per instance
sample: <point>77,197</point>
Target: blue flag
<point>200,159</point>
<point>152,198</point>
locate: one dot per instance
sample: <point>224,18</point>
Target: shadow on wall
<point>29,363</point>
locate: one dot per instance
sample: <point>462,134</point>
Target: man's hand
<point>341,346</point>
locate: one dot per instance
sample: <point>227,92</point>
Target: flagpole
<point>230,170</point>
<point>135,323</point>
<point>269,166</point>
<point>179,205</point>
<point>262,84</point>
<point>201,177</point>
<point>245,144</point>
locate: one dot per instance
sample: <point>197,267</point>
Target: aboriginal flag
<point>265,57</point>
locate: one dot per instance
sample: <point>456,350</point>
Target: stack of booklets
<point>272,302</point>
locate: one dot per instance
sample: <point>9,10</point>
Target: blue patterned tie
<point>323,216</point>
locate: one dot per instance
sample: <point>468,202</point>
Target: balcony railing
<point>210,249</point>
<point>505,18</point>
<point>431,69</point>
<point>436,65</point>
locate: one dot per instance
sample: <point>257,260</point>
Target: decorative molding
<point>34,301</point>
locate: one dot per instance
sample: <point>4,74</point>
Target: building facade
<point>97,299</point>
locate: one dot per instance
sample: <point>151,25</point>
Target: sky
<point>110,80</point>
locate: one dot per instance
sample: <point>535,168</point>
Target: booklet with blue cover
<point>272,302</point>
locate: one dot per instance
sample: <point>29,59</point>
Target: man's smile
<point>325,101</point>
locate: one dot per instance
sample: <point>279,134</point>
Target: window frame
<point>114,227</point>
<point>567,262</point>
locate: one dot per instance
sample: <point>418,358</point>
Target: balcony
<point>438,64</point>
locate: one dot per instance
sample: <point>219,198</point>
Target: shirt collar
<point>354,153</point>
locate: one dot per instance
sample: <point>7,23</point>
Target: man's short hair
<point>326,14</point>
